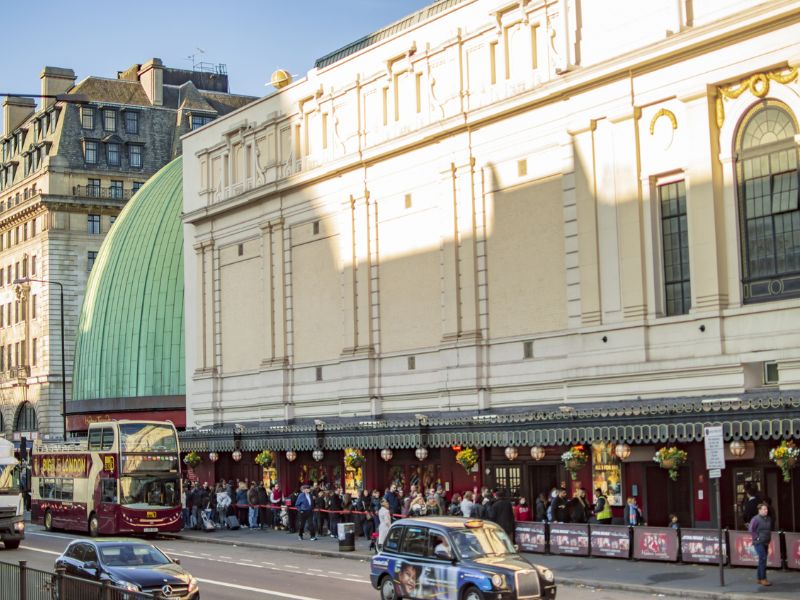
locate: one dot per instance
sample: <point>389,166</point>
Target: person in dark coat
<point>578,507</point>
<point>750,503</point>
<point>540,511</point>
<point>263,499</point>
<point>558,507</point>
<point>291,502</point>
<point>503,513</point>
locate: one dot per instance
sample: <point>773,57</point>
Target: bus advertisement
<point>124,478</point>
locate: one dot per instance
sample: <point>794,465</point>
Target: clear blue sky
<point>252,37</point>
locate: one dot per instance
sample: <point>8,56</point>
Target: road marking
<point>254,589</point>
<point>317,570</point>
<point>52,535</point>
<point>41,550</point>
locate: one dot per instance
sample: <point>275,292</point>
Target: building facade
<point>67,170</point>
<point>517,227</point>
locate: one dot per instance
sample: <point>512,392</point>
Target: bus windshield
<point>147,437</point>
<point>149,491</point>
<point>9,479</point>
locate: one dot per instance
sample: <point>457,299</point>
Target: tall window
<point>34,351</point>
<point>116,189</point>
<point>769,215</point>
<point>131,121</point>
<point>112,153</point>
<point>94,224</point>
<point>135,155</point>
<point>93,188</point>
<point>675,245</point>
<point>90,258</point>
<point>26,418</point>
<point>109,120</point>
<point>87,117</point>
<point>90,149</point>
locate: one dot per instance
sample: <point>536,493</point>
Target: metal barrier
<point>21,582</point>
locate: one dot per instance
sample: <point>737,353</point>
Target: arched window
<point>769,216</point>
<point>26,418</point>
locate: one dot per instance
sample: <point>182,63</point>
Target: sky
<point>252,37</point>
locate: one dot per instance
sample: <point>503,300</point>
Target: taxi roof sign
<point>474,523</point>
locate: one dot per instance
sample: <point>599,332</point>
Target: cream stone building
<point>507,224</point>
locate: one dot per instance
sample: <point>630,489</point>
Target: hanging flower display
<point>192,459</point>
<point>785,456</point>
<point>574,459</point>
<point>467,458</point>
<point>353,459</point>
<point>670,457</point>
<point>265,459</point>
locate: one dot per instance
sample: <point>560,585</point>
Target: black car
<point>132,565</point>
<point>452,558</point>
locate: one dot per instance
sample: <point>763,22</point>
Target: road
<point>233,572</point>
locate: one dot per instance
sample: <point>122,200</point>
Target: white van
<point>12,503</point>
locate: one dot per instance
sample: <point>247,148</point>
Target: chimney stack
<point>55,81</point>
<point>151,77</point>
<point>15,111</point>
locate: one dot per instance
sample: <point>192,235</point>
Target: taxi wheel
<point>387,589</point>
<point>94,526</point>
<point>472,593</point>
<point>48,520</point>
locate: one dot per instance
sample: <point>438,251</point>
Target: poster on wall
<point>655,543</point>
<point>530,536</point>
<point>569,538</point>
<point>744,555</point>
<point>792,550</point>
<point>701,546</point>
<point>613,541</point>
<point>607,472</point>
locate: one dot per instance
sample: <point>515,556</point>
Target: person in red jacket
<point>522,511</point>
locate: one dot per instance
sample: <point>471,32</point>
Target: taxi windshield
<point>482,541</point>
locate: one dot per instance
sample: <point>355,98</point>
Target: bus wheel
<point>48,520</point>
<point>94,526</point>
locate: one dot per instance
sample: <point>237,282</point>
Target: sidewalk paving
<point>645,577</point>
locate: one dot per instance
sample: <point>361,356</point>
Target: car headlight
<point>547,575</point>
<point>127,585</point>
<point>19,526</point>
<point>498,581</point>
<point>192,585</point>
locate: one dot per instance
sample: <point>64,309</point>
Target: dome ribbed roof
<point>130,336</point>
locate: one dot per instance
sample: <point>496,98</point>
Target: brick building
<point>67,170</point>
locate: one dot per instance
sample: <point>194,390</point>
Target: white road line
<point>254,589</point>
<point>52,535</point>
<point>225,557</point>
<point>317,570</point>
<point>41,550</point>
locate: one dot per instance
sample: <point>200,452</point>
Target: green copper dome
<point>130,336</point>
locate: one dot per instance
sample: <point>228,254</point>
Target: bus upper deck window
<point>95,434</point>
<point>108,438</point>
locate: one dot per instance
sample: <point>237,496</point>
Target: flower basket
<point>574,459</point>
<point>467,458</point>
<point>670,458</point>
<point>192,459</point>
<point>785,456</point>
<point>353,459</point>
<point>265,459</point>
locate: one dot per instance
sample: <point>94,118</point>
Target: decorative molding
<point>664,112</point>
<point>758,85</point>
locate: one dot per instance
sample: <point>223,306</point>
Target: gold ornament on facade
<point>758,85</point>
<point>664,112</point>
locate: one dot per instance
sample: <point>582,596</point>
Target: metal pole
<point>719,533</point>
<point>63,365</point>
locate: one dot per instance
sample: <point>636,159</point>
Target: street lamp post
<point>63,360</point>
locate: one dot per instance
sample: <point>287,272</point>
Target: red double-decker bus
<point>124,478</point>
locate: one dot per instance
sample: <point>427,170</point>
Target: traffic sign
<point>714,473</point>
<point>715,447</point>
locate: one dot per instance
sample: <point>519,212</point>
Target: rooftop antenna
<point>193,57</point>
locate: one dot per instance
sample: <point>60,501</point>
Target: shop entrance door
<point>741,476</point>
<point>664,497</point>
<point>541,478</point>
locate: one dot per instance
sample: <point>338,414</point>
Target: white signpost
<point>714,442</point>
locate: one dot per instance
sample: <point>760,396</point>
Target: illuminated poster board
<point>569,538</point>
<point>612,541</point>
<point>530,536</point>
<point>607,472</point>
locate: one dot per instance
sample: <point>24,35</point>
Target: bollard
<point>61,583</point>
<point>23,580</point>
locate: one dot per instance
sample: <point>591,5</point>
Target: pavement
<point>595,574</point>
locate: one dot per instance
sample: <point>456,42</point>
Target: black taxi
<point>453,558</point>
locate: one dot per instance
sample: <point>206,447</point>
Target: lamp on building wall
<point>421,453</point>
<point>537,453</point>
<point>63,355</point>
<point>737,448</point>
<point>511,452</point>
<point>237,455</point>
<point>213,456</point>
<point>386,454</point>
<point>317,454</point>
<point>291,455</point>
<point>623,451</point>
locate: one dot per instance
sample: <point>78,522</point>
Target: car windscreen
<point>9,478</point>
<point>482,541</point>
<point>131,555</point>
